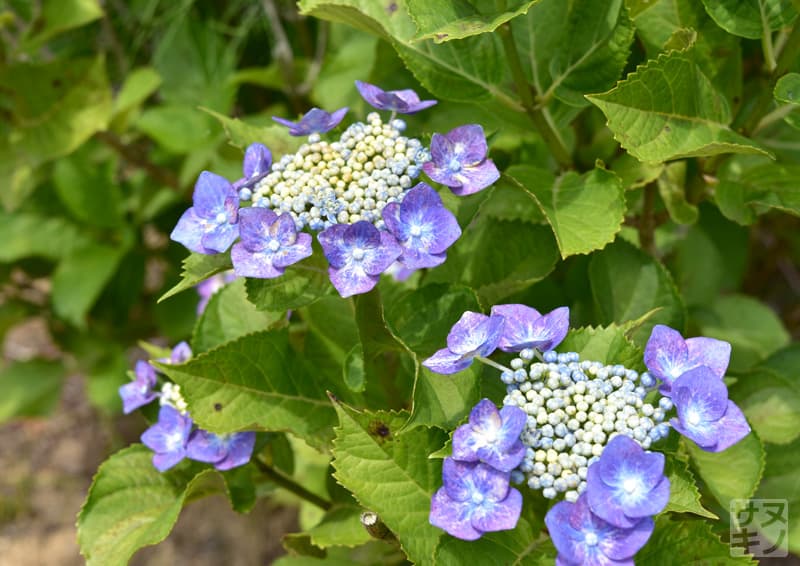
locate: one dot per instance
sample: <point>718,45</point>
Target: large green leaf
<point>390,21</point>
<point>608,345</point>
<point>445,21</point>
<point>733,473</point>
<point>751,18</point>
<point>444,400</point>
<point>241,134</point>
<point>627,284</point>
<point>302,284</point>
<point>198,268</point>
<point>390,473</point>
<point>780,482</point>
<point>752,328</point>
<point>58,16</point>
<point>139,84</point>
<point>258,382</point>
<point>341,526</point>
<point>683,542</point>
<point>787,89</point>
<point>672,188</point>
<point>29,388</point>
<point>669,109</point>
<point>684,496</point>
<point>228,316</point>
<point>744,194</point>
<point>178,128</point>
<point>88,191</point>
<point>600,34</point>
<point>131,505</point>
<point>585,211</point>
<point>29,234</point>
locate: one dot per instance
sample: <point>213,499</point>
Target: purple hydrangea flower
<point>526,328</point>
<point>475,499</point>
<point>210,225</point>
<point>627,484</point>
<point>225,451</point>
<point>668,356</point>
<point>269,243</point>
<point>584,539</point>
<point>473,335</point>
<point>256,165</point>
<point>206,289</point>
<point>168,437</point>
<point>180,353</point>
<point>402,101</point>
<point>139,392</point>
<point>705,414</point>
<point>315,121</point>
<point>423,227</point>
<point>491,436</point>
<point>458,160</point>
<point>358,253</point>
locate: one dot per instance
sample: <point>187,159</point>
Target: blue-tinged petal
<point>257,161</point>
<point>475,178</point>
<point>494,330</point>
<point>189,231</point>
<point>134,395</point>
<point>622,544</point>
<point>352,280</point>
<point>710,352</point>
<point>254,224</point>
<point>284,230</point>
<point>205,446</point>
<point>240,450</point>
<point>466,443</point>
<point>253,264</point>
<point>416,259</point>
<point>518,328</point>
<point>391,217</point>
<point>568,540</point>
<point>446,362</point>
<point>362,234</point>
<point>370,93</point>
<point>602,500</point>
<point>514,421</point>
<point>702,396</point>
<point>442,151</point>
<point>665,354</point>
<point>731,428</point>
<point>457,477</point>
<point>498,515</point>
<point>220,237</point>
<point>336,250</point>
<point>378,259</point>
<point>180,353</point>
<point>452,516</point>
<point>298,251</point>
<point>501,459</point>
<point>336,117</point>
<point>551,329</point>
<point>210,192</point>
<point>293,129</point>
<point>468,334</point>
<point>492,484</point>
<point>469,144</point>
<point>163,461</point>
<point>485,418</point>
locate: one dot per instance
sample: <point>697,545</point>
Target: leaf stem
<point>766,42</point>
<point>287,483</point>
<point>647,223</point>
<point>526,94</point>
<point>494,364</point>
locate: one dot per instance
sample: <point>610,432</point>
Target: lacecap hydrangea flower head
<point>576,429</point>
<point>359,193</point>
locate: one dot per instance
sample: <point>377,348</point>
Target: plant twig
<point>647,224</point>
<point>282,53</point>
<point>287,483</point>
<point>528,97</point>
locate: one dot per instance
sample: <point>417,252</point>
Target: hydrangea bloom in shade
<point>705,414</point>
<point>269,243</point>
<point>315,121</point>
<point>139,392</point>
<point>180,353</point>
<point>358,253</point>
<point>584,539</point>
<point>168,437</point>
<point>668,356</point>
<point>225,451</point>
<point>473,335</point>
<point>491,436</point>
<point>423,227</point>
<point>210,226</point>
<point>402,101</point>
<point>458,160</point>
<point>526,328</point>
<point>256,165</point>
<point>475,499</point>
<point>626,484</point>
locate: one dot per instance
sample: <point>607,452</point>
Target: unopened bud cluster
<point>574,409</point>
<point>345,181</point>
<point>171,395</point>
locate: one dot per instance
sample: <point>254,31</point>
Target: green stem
<point>287,483</point>
<point>526,94</point>
<point>494,364</point>
<point>647,221</point>
<point>766,43</point>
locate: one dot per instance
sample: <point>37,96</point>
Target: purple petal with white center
<point>240,449</point>
<point>253,264</point>
<point>257,161</point>
<point>284,230</point>
<point>254,223</point>
<point>189,231</point>
<point>210,193</point>
<point>475,334</point>
<point>205,446</point>
<point>568,539</point>
<point>163,461</point>
<point>290,255</point>
<point>526,328</point>
<point>140,391</point>
<point>514,421</point>
<point>180,353</point>
<point>446,362</point>
<point>475,178</point>
<point>378,259</point>
<point>491,436</point>
<point>332,240</point>
<point>468,144</point>
<point>710,352</point>
<point>731,428</point>
<point>457,479</point>
<point>442,151</point>
<point>623,457</point>
<point>484,418</point>
<point>498,515</point>
<point>700,390</point>
<point>219,238</point>
<point>452,516</point>
<point>168,437</point>
<point>665,354</point>
<point>352,280</point>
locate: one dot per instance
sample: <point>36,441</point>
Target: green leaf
<point>787,89</point>
<point>444,400</point>
<point>240,486</point>
<point>351,56</point>
<point>138,86</point>
<point>634,173</point>
<point>585,211</point>
<point>445,21</point>
<point>752,328</point>
<point>508,202</point>
<point>353,369</point>
<point>30,388</point>
<point>741,196</point>
<point>628,283</point>
<point>198,268</point>
<point>302,284</point>
<point>80,278</point>
<point>131,505</point>
<point>682,542</point>
<point>341,526</point>
<point>672,188</point>
<point>750,18</point>
<point>608,345</point>
<point>178,128</point>
<point>228,316</point>
<point>683,494</point>
<point>255,382</point>
<point>528,254</point>
<point>733,473</point>
<point>780,482</point>
<point>88,191</point>
<point>369,16</point>
<point>769,395</point>
<point>390,474</point>
<point>669,109</point>
<point>242,134</point>
<point>27,234</point>
<point>58,16</point>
